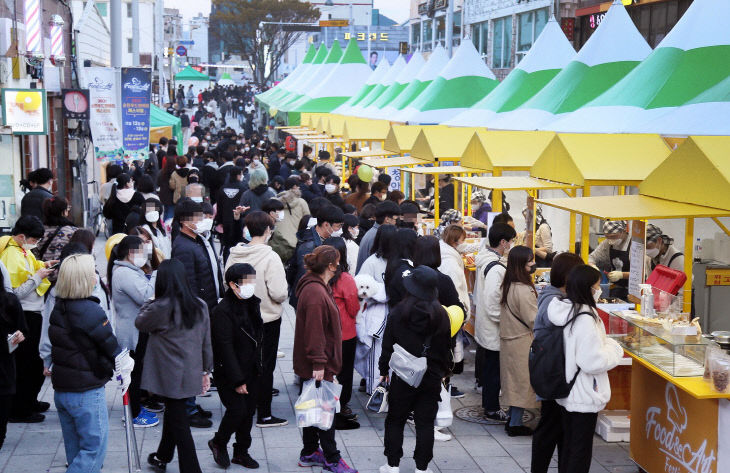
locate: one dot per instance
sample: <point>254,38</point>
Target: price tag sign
<point>636,257</point>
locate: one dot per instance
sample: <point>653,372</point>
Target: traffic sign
<point>181,50</point>
<point>335,23</point>
<point>187,42</point>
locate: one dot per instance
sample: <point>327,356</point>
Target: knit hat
<point>653,233</point>
<point>450,217</point>
<point>612,227</point>
<point>478,196</point>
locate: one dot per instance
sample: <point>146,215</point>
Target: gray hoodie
<point>543,301</point>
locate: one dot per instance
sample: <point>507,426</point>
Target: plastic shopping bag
<point>444,416</point>
<point>317,404</point>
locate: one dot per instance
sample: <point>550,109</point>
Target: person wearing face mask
<point>318,348</point>
<point>288,166</point>
<point>179,178</point>
<point>130,287</point>
<point>28,278</point>
<point>294,208</point>
<point>386,213</point>
<point>329,221</point>
<point>589,353</point>
<point>42,183</point>
<point>660,250</point>
<point>332,190</point>
<point>272,290</point>
<point>350,232</point>
<point>153,254</point>
<point>123,198</point>
<point>202,271</point>
<point>152,213</point>
<point>275,209</point>
<point>58,228</point>
<point>479,207</point>
<point>516,320</point>
<point>491,266</point>
<point>237,338</point>
<point>612,255</point>
<point>378,193</point>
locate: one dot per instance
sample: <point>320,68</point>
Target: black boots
<point>241,457</point>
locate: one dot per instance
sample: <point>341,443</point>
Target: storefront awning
<point>446,144</point>
<point>400,138</point>
<point>512,183</point>
<point>505,150</point>
<point>365,130</point>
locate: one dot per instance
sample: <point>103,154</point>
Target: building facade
<point>146,30</point>
<point>653,18</point>
<point>427,24</point>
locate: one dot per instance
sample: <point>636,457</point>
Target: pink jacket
<point>345,294</point>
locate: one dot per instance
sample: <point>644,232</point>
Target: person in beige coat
<point>517,318</point>
<point>179,178</point>
<point>272,289</point>
<point>285,236</point>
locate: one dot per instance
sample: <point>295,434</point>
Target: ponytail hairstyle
<point>120,252</point>
<point>320,259</point>
<point>53,210</point>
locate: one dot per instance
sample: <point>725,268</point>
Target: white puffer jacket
<point>587,347</point>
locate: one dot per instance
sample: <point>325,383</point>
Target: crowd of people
<point>208,249</point>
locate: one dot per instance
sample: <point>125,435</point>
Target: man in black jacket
<point>204,274</point>
<point>32,203</point>
<point>228,199</point>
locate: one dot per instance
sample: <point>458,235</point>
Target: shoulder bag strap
<point>515,316</point>
<point>674,256</point>
<point>491,265</point>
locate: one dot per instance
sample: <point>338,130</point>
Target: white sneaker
<point>427,470</point>
<point>440,436</point>
<point>389,469</point>
<point>280,354</point>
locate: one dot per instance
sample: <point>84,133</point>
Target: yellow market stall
<point>589,160</point>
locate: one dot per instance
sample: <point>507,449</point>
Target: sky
<point>398,10</point>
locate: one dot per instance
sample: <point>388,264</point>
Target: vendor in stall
<point>543,238</point>
<point>660,250</point>
<point>612,257</point>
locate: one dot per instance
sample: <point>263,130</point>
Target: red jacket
<point>345,294</point>
<point>318,334</point>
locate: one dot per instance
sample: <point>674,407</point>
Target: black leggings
<point>176,434</point>
<point>577,449</point>
<point>548,435</point>
<point>348,366</point>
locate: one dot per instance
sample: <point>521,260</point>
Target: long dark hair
<point>172,284</point>
<point>427,252</point>
<point>406,239</point>
<point>579,288</point>
<point>121,251</point>
<point>518,258</point>
<point>338,243</point>
<point>385,244</point>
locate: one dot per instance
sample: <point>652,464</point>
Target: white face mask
<point>204,225</point>
<point>354,232</point>
<point>475,206</point>
<point>383,196</point>
<point>330,188</point>
<point>652,253</point>
<point>337,233</point>
<point>197,199</point>
<point>152,216</point>
<point>279,215</point>
<point>139,260</point>
<point>245,291</point>
<point>462,248</point>
<point>616,243</point>
<point>597,294</point>
<point>29,246</point>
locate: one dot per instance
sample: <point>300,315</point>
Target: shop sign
<point>364,36</point>
<point>334,23</point>
<point>25,111</point>
<point>595,19</point>
<point>717,277</point>
<point>670,430</point>
<point>104,112</point>
<point>568,27</point>
<point>636,258</point>
<point>136,86</point>
<point>76,104</point>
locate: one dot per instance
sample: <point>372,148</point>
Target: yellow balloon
<point>456,316</point>
<point>365,173</point>
<point>273,111</point>
<point>111,243</point>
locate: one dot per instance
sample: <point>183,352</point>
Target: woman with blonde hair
<point>85,353</point>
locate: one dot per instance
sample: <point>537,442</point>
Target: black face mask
<point>533,268</point>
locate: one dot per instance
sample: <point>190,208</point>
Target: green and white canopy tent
<point>370,84</point>
<point>463,82</point>
<point>614,50</point>
<point>694,57</point>
<point>435,64</point>
<point>387,80</point>
<point>298,88</point>
<point>314,80</point>
<point>284,86</point>
<point>342,82</point>
<point>401,82</point>
<point>547,57</point>
<point>706,114</point>
<point>226,80</point>
<point>190,77</point>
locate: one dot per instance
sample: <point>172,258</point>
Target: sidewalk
<point>36,448</point>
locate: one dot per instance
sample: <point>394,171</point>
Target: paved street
<point>475,448</point>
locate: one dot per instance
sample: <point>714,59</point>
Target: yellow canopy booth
<point>363,133</point>
<point>589,159</point>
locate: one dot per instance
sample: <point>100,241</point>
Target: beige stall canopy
<point>506,150</point>
<point>400,138</point>
<point>445,144</point>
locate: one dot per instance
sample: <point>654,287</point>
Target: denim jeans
<point>85,427</point>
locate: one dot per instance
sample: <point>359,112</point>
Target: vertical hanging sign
<point>136,86</point>
<point>104,112</point>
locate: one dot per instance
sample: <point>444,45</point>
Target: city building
<point>195,39</point>
<point>427,23</point>
<point>146,29</point>
<point>92,34</point>
<point>653,18</point>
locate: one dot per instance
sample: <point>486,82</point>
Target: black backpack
<point>547,362</point>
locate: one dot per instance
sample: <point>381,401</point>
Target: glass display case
<point>677,355</point>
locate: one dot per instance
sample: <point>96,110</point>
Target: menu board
<point>636,257</point>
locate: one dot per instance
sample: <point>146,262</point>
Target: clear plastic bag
<point>318,403</point>
<point>720,370</point>
<point>710,353</point>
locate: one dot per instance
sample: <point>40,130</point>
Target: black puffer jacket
<point>11,320</point>
<point>192,253</point>
<point>409,324</point>
<point>228,198</point>
<point>83,346</point>
<point>237,332</point>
